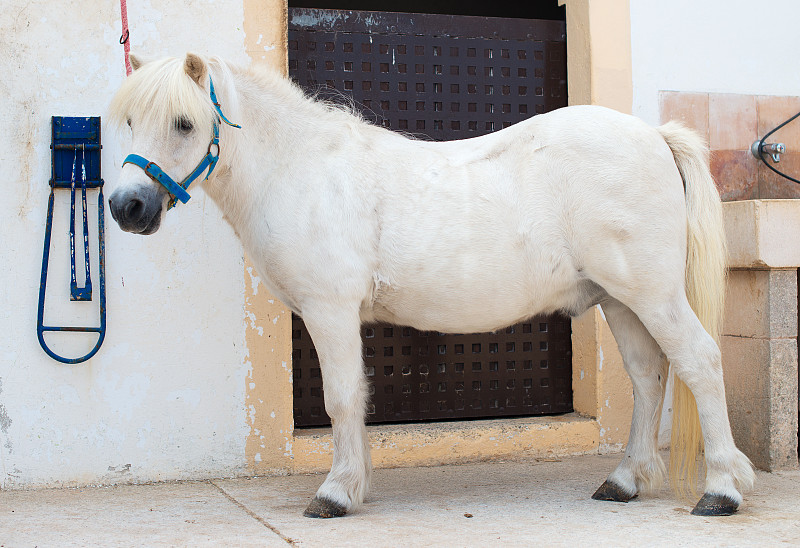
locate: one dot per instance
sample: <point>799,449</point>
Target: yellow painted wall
<point>268,321</point>
<point>599,73</point>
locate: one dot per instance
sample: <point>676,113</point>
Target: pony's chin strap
<point>178,191</point>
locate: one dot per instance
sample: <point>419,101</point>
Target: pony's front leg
<point>336,335</point>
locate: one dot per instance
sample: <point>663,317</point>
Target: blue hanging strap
<point>73,284</point>
<point>87,284</point>
<point>79,293</point>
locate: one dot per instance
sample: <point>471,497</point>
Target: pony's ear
<point>136,61</point>
<point>196,68</point>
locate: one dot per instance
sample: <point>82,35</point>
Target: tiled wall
<point>731,123</point>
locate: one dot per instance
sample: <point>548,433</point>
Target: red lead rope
<point>125,38</point>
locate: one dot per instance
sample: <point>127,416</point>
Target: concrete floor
<point>520,503</point>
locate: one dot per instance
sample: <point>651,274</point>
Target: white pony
<point>350,223</point>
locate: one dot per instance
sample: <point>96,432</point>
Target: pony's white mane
<point>337,106</point>
<point>337,101</point>
<point>157,94</point>
<point>160,92</point>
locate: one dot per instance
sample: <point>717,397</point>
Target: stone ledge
<point>763,233</point>
<point>430,444</point>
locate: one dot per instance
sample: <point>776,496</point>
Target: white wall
<point>164,397</point>
<point>721,46</point>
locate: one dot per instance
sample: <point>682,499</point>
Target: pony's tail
<point>706,260</point>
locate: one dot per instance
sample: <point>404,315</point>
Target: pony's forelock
<point>159,93</point>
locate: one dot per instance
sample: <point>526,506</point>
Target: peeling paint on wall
<point>7,447</point>
<point>5,420</point>
<point>268,322</point>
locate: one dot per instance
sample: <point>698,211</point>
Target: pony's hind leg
<point>336,336</point>
<point>697,361</point>
<point>641,468</point>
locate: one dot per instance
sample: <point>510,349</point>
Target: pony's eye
<point>129,123</point>
<point>183,125</point>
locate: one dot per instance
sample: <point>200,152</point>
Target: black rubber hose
<point>761,152</point>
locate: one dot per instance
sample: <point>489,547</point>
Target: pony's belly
<point>472,294</point>
<point>449,320</point>
<point>474,311</point>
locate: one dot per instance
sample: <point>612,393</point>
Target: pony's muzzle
<point>136,210</point>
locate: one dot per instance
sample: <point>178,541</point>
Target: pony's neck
<point>277,121</point>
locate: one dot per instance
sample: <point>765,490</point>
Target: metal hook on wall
<point>761,148</point>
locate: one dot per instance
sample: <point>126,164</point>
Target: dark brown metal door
<point>439,77</point>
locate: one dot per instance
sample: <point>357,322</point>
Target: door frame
<point>598,72</point>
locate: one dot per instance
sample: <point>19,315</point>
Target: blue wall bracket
<point>75,162</point>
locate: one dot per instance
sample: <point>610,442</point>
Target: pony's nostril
<point>112,209</point>
<point>134,210</point>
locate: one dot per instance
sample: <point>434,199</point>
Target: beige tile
<point>773,186</point>
<point>746,363</point>
<point>162,514</point>
<point>783,405</point>
<point>757,232</point>
<point>736,174</point>
<point>774,110</point>
<point>689,108</point>
<point>761,304</point>
<point>521,502</point>
<point>732,121</point>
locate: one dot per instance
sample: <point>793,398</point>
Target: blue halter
<point>209,161</point>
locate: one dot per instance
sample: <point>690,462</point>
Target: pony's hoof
<point>324,508</point>
<point>613,492</point>
<point>715,505</point>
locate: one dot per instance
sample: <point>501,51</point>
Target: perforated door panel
<point>446,77</point>
<point>438,77</point>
